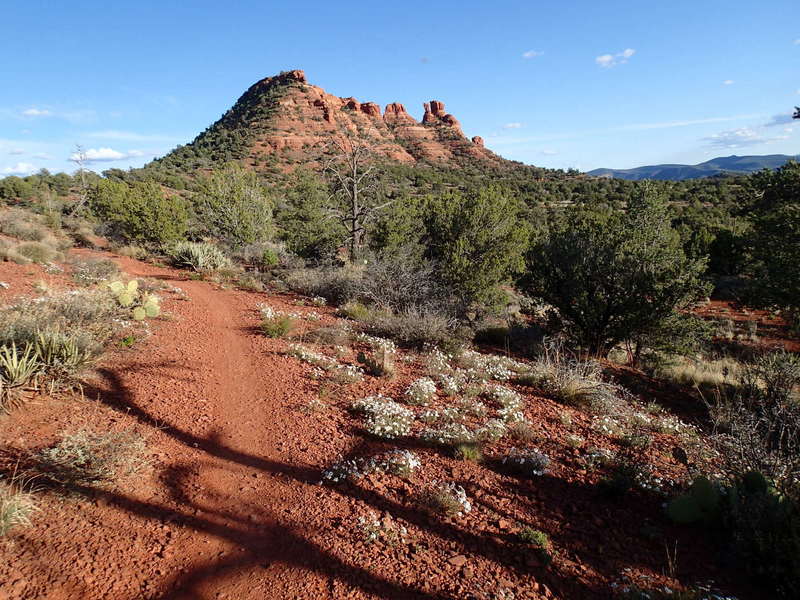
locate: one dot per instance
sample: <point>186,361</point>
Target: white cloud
<point>728,82</point>
<point>532,54</point>
<point>43,156</point>
<point>36,112</point>
<point>797,42</point>
<point>512,126</point>
<point>611,60</point>
<point>105,155</point>
<point>549,152</point>
<point>742,136</point>
<point>16,151</point>
<point>21,168</point>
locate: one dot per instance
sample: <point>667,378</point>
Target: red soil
<point>232,506</point>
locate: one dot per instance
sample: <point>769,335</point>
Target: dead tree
<point>355,197</point>
<point>79,158</point>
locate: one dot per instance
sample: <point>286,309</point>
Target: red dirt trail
<point>230,514</point>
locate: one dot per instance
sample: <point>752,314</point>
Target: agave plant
<point>18,368</point>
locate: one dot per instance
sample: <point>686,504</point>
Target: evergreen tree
<point>616,276</point>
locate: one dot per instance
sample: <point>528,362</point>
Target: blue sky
<point>568,84</point>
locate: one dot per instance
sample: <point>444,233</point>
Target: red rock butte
<point>302,117</point>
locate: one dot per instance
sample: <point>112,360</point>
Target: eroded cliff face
<point>286,122</point>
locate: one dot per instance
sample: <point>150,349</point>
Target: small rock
<point>458,561</point>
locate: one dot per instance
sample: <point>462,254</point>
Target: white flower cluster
<point>341,373</point>
<point>598,457</point>
<point>528,462</point>
<point>449,384</point>
<point>453,491</point>
<point>53,268</point>
<point>346,470</point>
<point>492,430</point>
<point>377,343</point>
<point>396,462</point>
<point>421,391</point>
<point>269,313</point>
<point>386,530</point>
<point>511,404</point>
<point>346,373</point>
<point>472,406</point>
<point>670,424</point>
<point>437,362</point>
<point>319,301</point>
<point>450,434</point>
<point>385,418</point>
<point>311,357</point>
<point>369,404</point>
<point>608,426</point>
<point>499,368</point>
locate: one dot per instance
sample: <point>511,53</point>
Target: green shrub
<point>354,310</point>
<point>337,285</point>
<point>278,326</point>
<point>88,458</point>
<point>198,256</point>
<point>233,207</point>
<point>477,240</point>
<point>38,252</point>
<point>139,212</point>
<point>761,524</point>
<point>16,508</point>
<point>417,328</point>
<point>94,270</point>
<point>17,226</point>
<point>469,451</point>
<point>618,276</point>
<point>269,258</point>
<point>62,356</point>
<point>534,537</point>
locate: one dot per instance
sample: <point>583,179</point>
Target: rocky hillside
<point>283,121</point>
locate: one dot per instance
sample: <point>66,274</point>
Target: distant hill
<point>735,165</point>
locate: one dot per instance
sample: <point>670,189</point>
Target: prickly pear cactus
<point>125,299</point>
<point>142,306</point>
<point>151,307</point>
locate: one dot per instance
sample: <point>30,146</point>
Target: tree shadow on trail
<point>495,548</point>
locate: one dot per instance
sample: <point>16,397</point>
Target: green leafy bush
<point>139,212</point>
<point>233,207</point>
<point>617,277</point>
<point>476,240</point>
